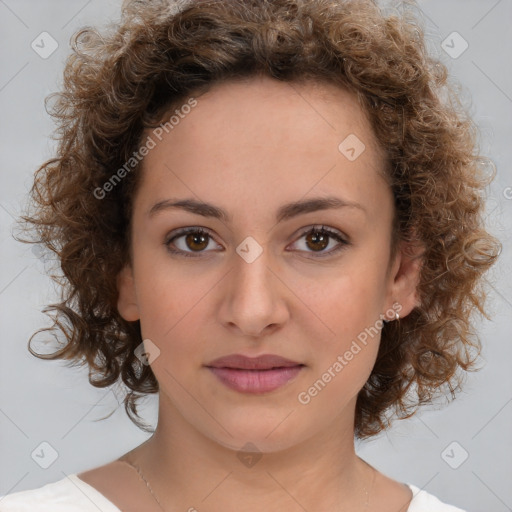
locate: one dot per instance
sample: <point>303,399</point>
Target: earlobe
<point>127,298</point>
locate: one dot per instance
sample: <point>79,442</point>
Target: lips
<point>254,375</point>
<point>263,362</point>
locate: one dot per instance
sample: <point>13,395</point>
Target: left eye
<point>198,239</point>
<point>319,237</point>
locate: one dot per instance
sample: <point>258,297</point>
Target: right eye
<point>195,240</point>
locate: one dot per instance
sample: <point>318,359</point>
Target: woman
<point>266,213</point>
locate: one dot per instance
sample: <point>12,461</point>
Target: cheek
<point>348,334</point>
<point>348,304</point>
<point>177,327</point>
<point>170,304</point>
<point>344,354</point>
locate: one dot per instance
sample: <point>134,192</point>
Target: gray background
<point>44,401</point>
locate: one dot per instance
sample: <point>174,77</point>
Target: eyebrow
<point>285,212</point>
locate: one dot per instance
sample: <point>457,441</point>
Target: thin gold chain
<point>371,487</point>
<point>134,466</point>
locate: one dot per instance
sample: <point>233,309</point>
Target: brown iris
<point>197,238</point>
<point>318,237</point>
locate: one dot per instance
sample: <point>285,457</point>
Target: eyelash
<point>201,231</point>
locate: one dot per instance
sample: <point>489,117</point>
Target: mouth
<point>257,375</point>
<point>256,381</point>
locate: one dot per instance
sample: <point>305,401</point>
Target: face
<point>260,279</point>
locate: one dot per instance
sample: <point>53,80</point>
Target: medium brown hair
<point>120,82</point>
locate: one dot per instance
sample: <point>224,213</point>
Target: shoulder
<point>423,501</point>
<point>67,495</point>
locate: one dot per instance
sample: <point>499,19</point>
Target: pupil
<point>318,236</point>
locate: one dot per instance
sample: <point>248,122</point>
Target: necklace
<point>139,471</point>
<point>145,481</point>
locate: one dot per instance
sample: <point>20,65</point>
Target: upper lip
<point>263,362</point>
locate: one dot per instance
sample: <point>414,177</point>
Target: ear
<point>127,299</point>
<point>404,277</point>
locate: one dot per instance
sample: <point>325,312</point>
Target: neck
<point>186,468</point>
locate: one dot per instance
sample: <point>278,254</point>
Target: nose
<point>254,297</point>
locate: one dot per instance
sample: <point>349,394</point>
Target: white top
<point>74,495</point>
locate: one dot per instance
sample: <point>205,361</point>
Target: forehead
<point>282,108</point>
<point>260,138</point>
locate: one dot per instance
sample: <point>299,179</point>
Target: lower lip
<point>255,381</point>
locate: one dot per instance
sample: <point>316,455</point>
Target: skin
<point>249,147</point>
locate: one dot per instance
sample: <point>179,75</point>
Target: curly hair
<point>122,81</point>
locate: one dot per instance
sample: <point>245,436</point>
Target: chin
<point>263,434</point>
